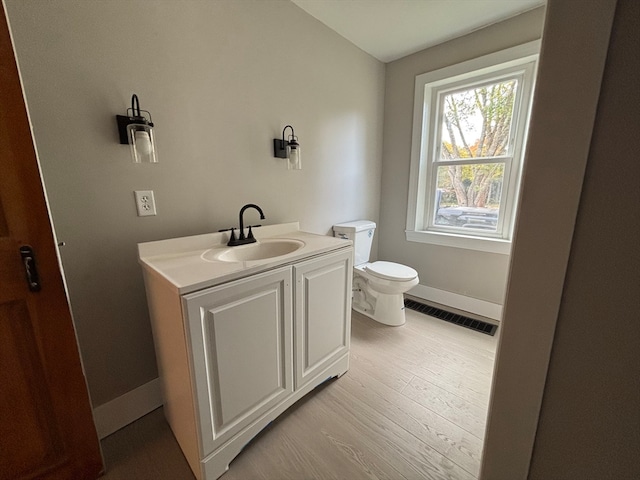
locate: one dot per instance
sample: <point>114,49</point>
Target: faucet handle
<point>250,234</point>
<point>233,233</point>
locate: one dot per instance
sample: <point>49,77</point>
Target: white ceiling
<point>391,29</point>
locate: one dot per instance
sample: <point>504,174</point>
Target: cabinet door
<point>241,337</point>
<point>323,313</point>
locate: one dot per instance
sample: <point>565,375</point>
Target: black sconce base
<point>123,122</point>
<point>279,148</point>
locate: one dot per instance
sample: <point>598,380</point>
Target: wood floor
<point>413,405</point>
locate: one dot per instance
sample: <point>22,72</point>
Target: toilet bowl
<point>378,287</point>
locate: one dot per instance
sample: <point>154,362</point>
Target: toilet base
<point>387,309</point>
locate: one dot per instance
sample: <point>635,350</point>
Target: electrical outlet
<point>145,203</point>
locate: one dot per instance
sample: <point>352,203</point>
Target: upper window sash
<point>439,95</point>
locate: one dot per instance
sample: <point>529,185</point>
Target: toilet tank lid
<point>355,226</point>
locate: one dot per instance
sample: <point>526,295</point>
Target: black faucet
<point>242,240</point>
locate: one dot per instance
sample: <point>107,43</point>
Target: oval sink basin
<point>265,249</point>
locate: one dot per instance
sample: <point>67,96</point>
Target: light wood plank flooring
<point>412,406</point>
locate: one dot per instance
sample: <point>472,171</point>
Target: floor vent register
<point>477,325</point>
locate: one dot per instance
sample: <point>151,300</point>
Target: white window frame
<point>521,62</point>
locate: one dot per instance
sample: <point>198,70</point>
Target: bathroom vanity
<point>241,333</point>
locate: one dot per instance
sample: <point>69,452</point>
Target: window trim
<point>420,171</point>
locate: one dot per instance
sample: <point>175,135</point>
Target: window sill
<point>467,242</point>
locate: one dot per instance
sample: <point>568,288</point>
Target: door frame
<point>572,59</point>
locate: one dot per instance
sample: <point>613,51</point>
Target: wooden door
<point>46,424</point>
<point>322,312</point>
<point>241,340</point>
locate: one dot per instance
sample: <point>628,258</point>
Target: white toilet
<point>378,287</point>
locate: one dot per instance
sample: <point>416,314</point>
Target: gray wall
<point>589,425</point>
<point>475,274</point>
<point>221,79</point>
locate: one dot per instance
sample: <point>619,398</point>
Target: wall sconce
<point>289,149</point>
<point>136,130</point>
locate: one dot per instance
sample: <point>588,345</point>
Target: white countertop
<point>181,261</point>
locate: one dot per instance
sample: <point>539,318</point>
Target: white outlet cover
<point>145,203</point>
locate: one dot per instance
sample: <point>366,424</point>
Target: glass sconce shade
<point>294,159</point>
<point>136,129</point>
<point>143,143</point>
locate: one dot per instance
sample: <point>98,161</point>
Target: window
<point>470,125</point>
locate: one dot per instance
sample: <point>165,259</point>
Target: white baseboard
<point>127,408</point>
<point>460,302</point>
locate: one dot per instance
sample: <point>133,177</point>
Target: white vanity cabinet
<point>235,355</point>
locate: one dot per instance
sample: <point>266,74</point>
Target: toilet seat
<point>391,271</point>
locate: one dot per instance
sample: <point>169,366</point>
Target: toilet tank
<point>360,232</point>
